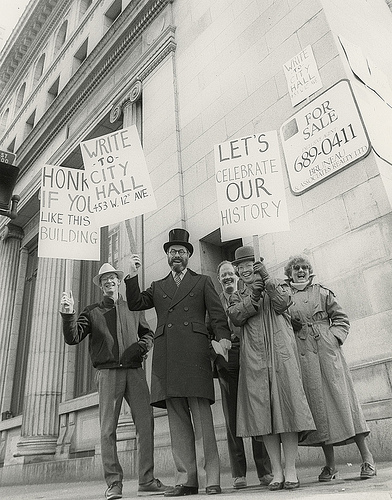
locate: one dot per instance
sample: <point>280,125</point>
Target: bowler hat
<point>106,268</point>
<point>242,254</point>
<point>178,236</point>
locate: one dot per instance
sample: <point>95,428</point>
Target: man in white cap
<point>118,341</point>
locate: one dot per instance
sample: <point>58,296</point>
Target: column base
<point>36,448</point>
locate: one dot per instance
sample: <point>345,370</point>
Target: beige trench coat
<point>271,398</point>
<point>327,380</point>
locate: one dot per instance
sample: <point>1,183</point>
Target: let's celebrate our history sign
<point>250,187</point>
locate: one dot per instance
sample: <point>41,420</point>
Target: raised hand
<point>259,268</point>
<point>67,302</point>
<point>135,264</point>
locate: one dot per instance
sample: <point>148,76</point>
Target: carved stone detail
<point>11,231</point>
<point>128,97</point>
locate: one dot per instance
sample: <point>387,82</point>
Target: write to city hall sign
<point>118,177</point>
<point>324,137</point>
<point>114,186</point>
<point>250,187</point>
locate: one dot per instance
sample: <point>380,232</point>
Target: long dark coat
<point>181,365</point>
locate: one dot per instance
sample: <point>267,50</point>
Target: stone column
<point>40,425</point>
<point>126,106</point>
<point>10,239</point>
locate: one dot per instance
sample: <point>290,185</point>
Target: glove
<point>257,288</point>
<point>132,353</point>
<point>296,324</point>
<point>259,268</point>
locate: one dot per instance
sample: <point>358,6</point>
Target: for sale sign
<point>324,137</point>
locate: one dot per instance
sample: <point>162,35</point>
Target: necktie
<point>177,278</point>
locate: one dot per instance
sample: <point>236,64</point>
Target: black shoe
<point>213,490</point>
<point>114,491</point>
<point>276,486</point>
<point>180,490</point>
<point>154,487</point>
<point>291,485</point>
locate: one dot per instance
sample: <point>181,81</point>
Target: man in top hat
<point>182,378</point>
<point>118,341</point>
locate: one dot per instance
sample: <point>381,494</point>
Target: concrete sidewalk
<point>347,487</point>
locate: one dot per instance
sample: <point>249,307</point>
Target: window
<point>22,351</point>
<point>112,13</point>
<point>11,147</point>
<point>61,37</point>
<point>80,56</point>
<point>89,294</point>
<point>53,92</point>
<point>30,124</point>
<point>114,247</point>
<point>4,120</point>
<point>20,97</point>
<point>39,69</point>
<point>84,5</point>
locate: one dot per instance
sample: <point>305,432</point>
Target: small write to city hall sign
<point>324,137</point>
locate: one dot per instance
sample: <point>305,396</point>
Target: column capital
<point>11,231</point>
<point>130,95</point>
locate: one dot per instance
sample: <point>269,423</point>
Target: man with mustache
<point>181,379</point>
<point>228,381</point>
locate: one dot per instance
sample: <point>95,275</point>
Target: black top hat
<point>242,254</point>
<point>178,236</point>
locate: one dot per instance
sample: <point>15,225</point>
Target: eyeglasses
<point>181,253</point>
<point>304,267</point>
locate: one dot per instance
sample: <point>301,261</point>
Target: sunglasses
<point>304,267</point>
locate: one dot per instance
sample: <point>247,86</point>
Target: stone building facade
<point>189,74</point>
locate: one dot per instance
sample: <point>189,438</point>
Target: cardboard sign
<point>302,75</point>
<point>66,227</point>
<point>250,188</point>
<point>323,137</point>
<point>117,175</point>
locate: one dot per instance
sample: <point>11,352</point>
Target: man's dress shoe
<point>180,490</point>
<point>213,490</point>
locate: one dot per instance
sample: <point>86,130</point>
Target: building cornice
<point>13,60</point>
<point>84,82</point>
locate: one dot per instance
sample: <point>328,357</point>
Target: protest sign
<point>323,137</point>
<point>66,228</point>
<point>250,188</point>
<point>302,75</point>
<point>117,174</point>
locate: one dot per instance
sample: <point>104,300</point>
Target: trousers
<point>228,381</point>
<point>131,384</point>
<point>191,424</point>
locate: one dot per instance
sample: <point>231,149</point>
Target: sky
<point>10,12</point>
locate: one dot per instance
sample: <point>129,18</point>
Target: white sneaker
<point>239,482</point>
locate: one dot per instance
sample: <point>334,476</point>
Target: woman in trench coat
<point>321,327</point>
<point>271,400</point>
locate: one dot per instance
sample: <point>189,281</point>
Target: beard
<point>178,263</point>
